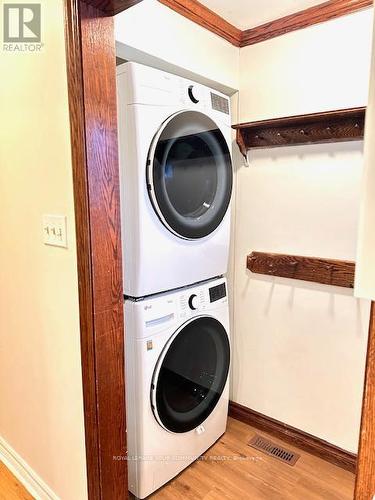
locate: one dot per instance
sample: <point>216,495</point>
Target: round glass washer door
<point>189,174</point>
<point>190,375</point>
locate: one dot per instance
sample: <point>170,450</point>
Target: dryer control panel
<point>149,86</point>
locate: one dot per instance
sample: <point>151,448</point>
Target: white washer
<point>176,180</point>
<point>177,365</point>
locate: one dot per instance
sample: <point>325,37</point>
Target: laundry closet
<point>187,301</point>
<point>210,214</point>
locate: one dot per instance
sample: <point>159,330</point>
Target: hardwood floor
<point>10,487</point>
<point>244,473</point>
<point>248,474</point>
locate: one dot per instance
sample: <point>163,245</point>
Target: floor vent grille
<point>274,450</point>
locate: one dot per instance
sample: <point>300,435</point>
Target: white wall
<point>153,34</point>
<point>365,271</point>
<point>41,402</point>
<point>323,67</point>
<point>299,348</point>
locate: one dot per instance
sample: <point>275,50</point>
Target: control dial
<point>193,302</point>
<point>193,94</point>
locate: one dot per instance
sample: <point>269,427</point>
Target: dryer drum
<point>190,174</point>
<point>191,375</point>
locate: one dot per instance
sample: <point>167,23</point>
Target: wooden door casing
<point>90,48</point>
<point>91,74</point>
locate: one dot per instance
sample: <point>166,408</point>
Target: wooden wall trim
<point>296,437</point>
<point>314,128</point>
<point>208,19</point>
<point>100,104</point>
<point>93,119</point>
<point>302,19</point>
<point>325,271</point>
<point>195,11</point>
<point>111,7</point>
<point>365,480</point>
<point>83,241</point>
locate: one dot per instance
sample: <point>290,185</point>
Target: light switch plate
<point>54,230</point>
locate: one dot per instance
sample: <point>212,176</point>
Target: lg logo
<point>22,23</point>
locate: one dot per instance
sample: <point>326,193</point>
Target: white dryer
<point>177,364</point>
<point>176,180</point>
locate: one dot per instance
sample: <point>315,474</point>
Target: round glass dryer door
<point>191,375</point>
<point>189,174</point>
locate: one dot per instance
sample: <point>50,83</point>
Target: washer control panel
<point>201,298</point>
<point>161,311</point>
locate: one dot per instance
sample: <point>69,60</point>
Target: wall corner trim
<point>24,473</point>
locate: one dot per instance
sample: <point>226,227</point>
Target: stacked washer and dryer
<point>176,183</point>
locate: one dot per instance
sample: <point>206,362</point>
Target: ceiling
<point>245,14</point>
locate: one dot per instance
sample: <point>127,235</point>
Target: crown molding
<point>302,19</point>
<point>200,14</point>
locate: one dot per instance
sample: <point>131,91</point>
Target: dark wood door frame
<point>365,480</point>
<point>90,48</point>
<point>91,71</point>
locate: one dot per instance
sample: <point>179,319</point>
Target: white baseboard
<point>24,473</point>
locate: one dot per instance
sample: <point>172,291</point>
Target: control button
<point>193,302</point>
<point>192,94</point>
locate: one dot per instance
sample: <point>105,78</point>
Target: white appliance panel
<point>155,454</point>
<point>154,258</point>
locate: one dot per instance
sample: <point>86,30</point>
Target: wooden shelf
<point>325,271</point>
<point>330,126</point>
